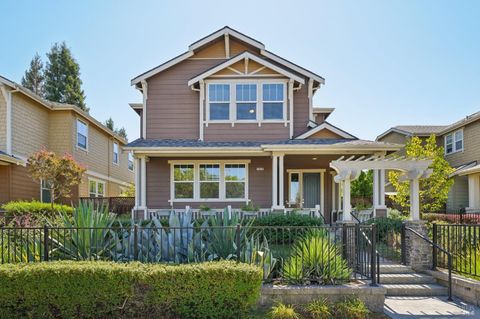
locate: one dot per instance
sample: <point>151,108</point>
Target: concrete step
<point>395,269</point>
<point>406,279</point>
<point>415,290</point>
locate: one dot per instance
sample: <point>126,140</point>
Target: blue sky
<point>385,62</point>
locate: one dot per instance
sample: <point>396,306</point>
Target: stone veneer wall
<point>418,251</point>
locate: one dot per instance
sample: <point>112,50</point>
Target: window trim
<point>76,134</point>
<point>196,182</point>
<point>118,153</point>
<point>236,102</point>
<point>97,181</point>
<point>233,101</point>
<point>454,146</point>
<point>41,191</point>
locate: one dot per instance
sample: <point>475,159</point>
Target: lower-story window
<point>96,188</point>
<point>209,181</point>
<point>46,192</point>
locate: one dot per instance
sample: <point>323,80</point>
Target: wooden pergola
<point>349,169</point>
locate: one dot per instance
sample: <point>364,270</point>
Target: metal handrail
<point>449,255</point>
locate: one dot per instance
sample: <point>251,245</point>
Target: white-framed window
<point>96,188</point>
<point>454,142</point>
<point>273,101</point>
<point>219,102</point>
<point>209,181</point>
<point>246,104</point>
<point>116,157</point>
<point>82,134</point>
<point>130,161</point>
<point>45,192</point>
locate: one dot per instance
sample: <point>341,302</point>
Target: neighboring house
<point>461,141</point>
<point>29,123</point>
<point>230,123</point>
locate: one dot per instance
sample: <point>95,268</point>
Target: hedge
<point>34,211</point>
<point>69,289</point>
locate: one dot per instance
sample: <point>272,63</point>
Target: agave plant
<point>315,258</point>
<point>255,251</point>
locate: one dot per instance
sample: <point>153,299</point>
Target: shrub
<point>113,290</point>
<point>319,309</point>
<point>351,309</point>
<point>282,311</point>
<point>27,213</point>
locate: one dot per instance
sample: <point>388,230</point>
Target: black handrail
<point>377,254</point>
<point>449,255</point>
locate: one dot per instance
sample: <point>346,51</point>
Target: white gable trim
<point>226,31</point>
<point>325,126</point>
<point>242,56</point>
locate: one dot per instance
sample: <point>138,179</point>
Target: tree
<point>59,173</point>
<point>62,77</point>
<point>434,189</point>
<point>34,78</point>
<point>109,123</point>
<point>120,131</point>
<point>363,185</point>
<point>129,192</point>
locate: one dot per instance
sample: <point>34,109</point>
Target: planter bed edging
<point>462,287</point>
<point>373,297</point>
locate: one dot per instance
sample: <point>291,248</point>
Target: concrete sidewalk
<point>429,307</point>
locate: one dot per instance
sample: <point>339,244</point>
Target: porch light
<point>314,158</point>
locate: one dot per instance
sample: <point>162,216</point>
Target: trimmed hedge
<point>134,290</point>
<point>34,211</point>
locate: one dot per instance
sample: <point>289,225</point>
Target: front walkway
<point>428,307</point>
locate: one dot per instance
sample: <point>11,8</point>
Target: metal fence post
<point>403,244</point>
<point>435,251</point>
<point>237,241</point>
<point>46,256</point>
<point>135,242</point>
<point>373,256</point>
<point>344,242</point>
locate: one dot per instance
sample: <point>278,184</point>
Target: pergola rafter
<point>350,168</point>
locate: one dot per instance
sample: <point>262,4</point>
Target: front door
<point>311,190</point>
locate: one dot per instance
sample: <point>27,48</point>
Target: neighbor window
<point>96,188</point>
<point>82,134</point>
<point>246,95</point>
<point>219,100</point>
<point>46,192</point>
<point>454,142</point>
<point>130,162</point>
<point>210,181</point>
<point>183,180</point>
<point>273,101</point>
<point>115,153</point>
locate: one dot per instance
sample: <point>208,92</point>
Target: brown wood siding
<point>172,107</point>
<point>4,183</point>
<point>246,132</point>
<point>325,133</point>
<point>22,186</point>
<point>158,184</point>
<point>300,111</point>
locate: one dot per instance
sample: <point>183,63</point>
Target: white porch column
<point>334,193</point>
<point>143,185</point>
<point>473,191</point>
<point>414,199</point>
<point>347,206</point>
<point>274,181</point>
<point>375,191</point>
<point>137,182</point>
<point>281,183</point>
<point>381,192</point>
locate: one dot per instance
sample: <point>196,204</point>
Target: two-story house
<point>29,123</point>
<point>461,142</point>
<point>230,123</point>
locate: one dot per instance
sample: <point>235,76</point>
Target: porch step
<point>395,269</point>
<point>407,278</point>
<point>415,290</point>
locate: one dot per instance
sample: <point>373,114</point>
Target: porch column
<point>274,181</point>
<point>473,192</point>
<point>137,183</point>
<point>382,189</point>
<point>281,183</point>
<point>334,193</point>
<point>143,185</point>
<point>376,187</point>
<point>347,207</point>
<point>414,199</point>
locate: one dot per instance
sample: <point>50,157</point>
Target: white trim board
<point>226,31</point>
<point>107,178</point>
<point>325,126</point>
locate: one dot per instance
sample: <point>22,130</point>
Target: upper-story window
<point>219,98</point>
<point>246,95</point>
<point>130,161</point>
<point>82,134</point>
<point>273,101</point>
<point>454,142</point>
<point>116,157</point>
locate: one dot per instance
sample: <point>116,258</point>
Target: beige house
<point>461,141</point>
<point>29,123</point>
<point>229,123</point>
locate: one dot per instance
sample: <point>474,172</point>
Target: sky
<point>386,63</point>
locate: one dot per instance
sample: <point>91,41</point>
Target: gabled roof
<point>466,120</point>
<point>326,126</point>
<point>238,35</point>
<point>417,130</point>
<point>242,56</point>
<point>55,106</point>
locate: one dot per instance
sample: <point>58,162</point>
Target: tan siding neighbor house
<point>30,123</point>
<point>228,123</point>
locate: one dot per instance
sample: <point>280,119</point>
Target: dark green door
<point>311,190</point>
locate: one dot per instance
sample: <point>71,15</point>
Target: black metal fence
<point>300,255</point>
<point>118,205</point>
<point>459,216</point>
<point>463,242</point>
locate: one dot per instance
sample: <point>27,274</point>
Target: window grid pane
<point>235,177</point>
<point>273,92</point>
<point>219,92</point>
<point>219,111</point>
<point>246,92</point>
